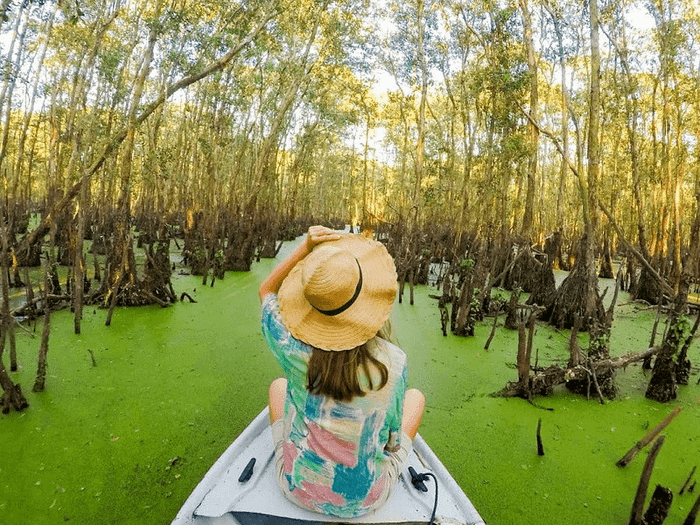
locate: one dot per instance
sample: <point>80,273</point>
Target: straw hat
<point>340,295</point>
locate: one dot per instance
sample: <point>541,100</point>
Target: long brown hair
<point>336,374</point>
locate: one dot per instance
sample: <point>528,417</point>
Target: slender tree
<point>532,162</point>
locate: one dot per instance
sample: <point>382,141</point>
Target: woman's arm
<point>315,235</point>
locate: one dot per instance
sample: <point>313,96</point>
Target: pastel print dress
<point>340,458</point>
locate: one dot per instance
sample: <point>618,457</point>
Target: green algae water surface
<point>126,441</point>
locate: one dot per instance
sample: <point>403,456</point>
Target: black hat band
<point>350,302</point>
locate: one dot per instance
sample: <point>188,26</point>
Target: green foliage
<point>475,310</point>
<point>600,343</point>
<point>429,195</point>
<point>497,301</point>
<point>466,265</point>
<point>679,330</point>
<point>499,296</point>
<point>515,146</point>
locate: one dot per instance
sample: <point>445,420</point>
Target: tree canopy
<point>272,108</point>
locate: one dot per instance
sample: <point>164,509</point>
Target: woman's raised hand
<point>318,234</point>
<point>315,235</point>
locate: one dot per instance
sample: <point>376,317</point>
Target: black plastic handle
<point>417,480</point>
<point>247,471</point>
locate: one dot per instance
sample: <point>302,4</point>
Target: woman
<point>342,420</point>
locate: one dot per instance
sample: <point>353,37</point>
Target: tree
<point>577,297</point>
<point>527,224</point>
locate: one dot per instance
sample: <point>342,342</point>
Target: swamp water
<point>126,441</point>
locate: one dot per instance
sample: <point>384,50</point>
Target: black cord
<point>418,479</point>
<point>432,517</point>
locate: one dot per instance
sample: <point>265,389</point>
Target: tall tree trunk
<point>663,382</point>
<point>8,326</point>
<point>692,263</point>
<point>420,140</point>
<point>632,117</point>
<point>563,168</point>
<point>676,206</point>
<point>42,363</point>
<point>28,114</point>
<point>528,215</point>
<point>289,97</point>
<point>590,207</point>
<point>122,275</point>
<point>578,294</point>
<point>79,260</point>
<point>9,83</point>
<point>365,160</point>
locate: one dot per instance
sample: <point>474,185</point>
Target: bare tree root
<point>542,382</point>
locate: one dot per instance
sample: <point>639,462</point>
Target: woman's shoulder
<point>270,301</point>
<point>271,312</point>
<point>392,351</point>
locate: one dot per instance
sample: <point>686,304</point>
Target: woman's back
<point>338,456</point>
<point>342,420</point>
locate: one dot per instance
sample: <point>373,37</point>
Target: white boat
<point>221,499</point>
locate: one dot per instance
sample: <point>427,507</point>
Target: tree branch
<point>551,136</point>
<point>662,282</point>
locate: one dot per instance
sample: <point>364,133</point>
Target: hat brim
<point>361,321</point>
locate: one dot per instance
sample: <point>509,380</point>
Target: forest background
<point>502,121</point>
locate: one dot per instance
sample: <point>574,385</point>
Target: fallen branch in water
<point>640,496</point>
<point>21,311</point>
<point>543,381</point>
<point>687,481</point>
<point>185,294</point>
<point>693,514</point>
<point>648,438</point>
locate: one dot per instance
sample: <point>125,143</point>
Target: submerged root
<point>12,398</point>
<point>543,381</point>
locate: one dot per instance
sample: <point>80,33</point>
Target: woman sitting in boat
<point>342,420</point>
